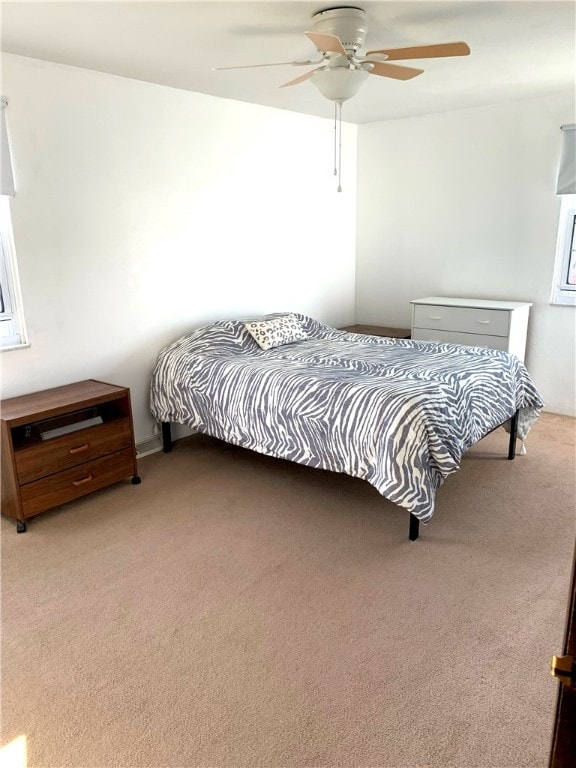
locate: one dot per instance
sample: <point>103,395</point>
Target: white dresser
<point>475,322</point>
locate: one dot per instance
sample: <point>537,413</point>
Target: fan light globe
<point>340,83</point>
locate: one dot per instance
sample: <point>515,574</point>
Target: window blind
<point>6,176</point>
<point>567,169</point>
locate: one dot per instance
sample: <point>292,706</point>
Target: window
<point>12,328</point>
<point>564,289</point>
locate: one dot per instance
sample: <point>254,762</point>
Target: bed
<point>397,413</point>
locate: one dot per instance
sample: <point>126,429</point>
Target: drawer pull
<point>435,317</point>
<point>79,449</point>
<point>83,481</point>
<point>484,322</point>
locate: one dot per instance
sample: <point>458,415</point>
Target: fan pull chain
<point>335,139</point>
<point>339,103</point>
<point>338,142</point>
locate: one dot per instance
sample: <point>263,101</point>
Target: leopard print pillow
<point>276,332</point>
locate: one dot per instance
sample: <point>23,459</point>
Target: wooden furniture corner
<point>378,330</point>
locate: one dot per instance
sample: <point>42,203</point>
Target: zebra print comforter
<point>397,413</point>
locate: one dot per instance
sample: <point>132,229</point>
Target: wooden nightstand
<point>63,443</point>
<point>378,330</point>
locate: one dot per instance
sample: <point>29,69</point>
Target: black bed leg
<point>414,527</point>
<point>513,436</point>
<point>166,437</point>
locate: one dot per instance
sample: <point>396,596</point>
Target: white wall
<point>144,211</point>
<point>463,204</point>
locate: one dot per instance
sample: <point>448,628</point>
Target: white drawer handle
<point>83,481</point>
<point>435,317</point>
<point>484,322</point>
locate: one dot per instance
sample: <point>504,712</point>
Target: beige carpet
<point>236,610</point>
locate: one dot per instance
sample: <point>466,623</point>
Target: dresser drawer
<point>487,322</point>
<point>70,450</point>
<point>73,483</point>
<point>454,337</point>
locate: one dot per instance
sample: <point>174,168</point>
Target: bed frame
<point>414,524</point>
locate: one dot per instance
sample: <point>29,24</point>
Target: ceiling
<point>519,49</point>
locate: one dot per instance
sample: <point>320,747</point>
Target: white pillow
<point>277,331</point>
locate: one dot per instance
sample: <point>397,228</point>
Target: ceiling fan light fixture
<point>339,84</point>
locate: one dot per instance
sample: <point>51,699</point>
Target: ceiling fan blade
<point>301,78</point>
<point>425,51</point>
<point>391,70</point>
<point>275,64</point>
<point>327,43</point>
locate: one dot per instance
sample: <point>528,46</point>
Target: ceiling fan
<point>338,34</point>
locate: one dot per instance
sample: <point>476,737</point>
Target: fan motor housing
<point>347,22</point>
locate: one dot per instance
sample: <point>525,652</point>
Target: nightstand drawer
<point>454,337</point>
<point>60,453</point>
<point>73,483</point>
<point>487,322</point>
